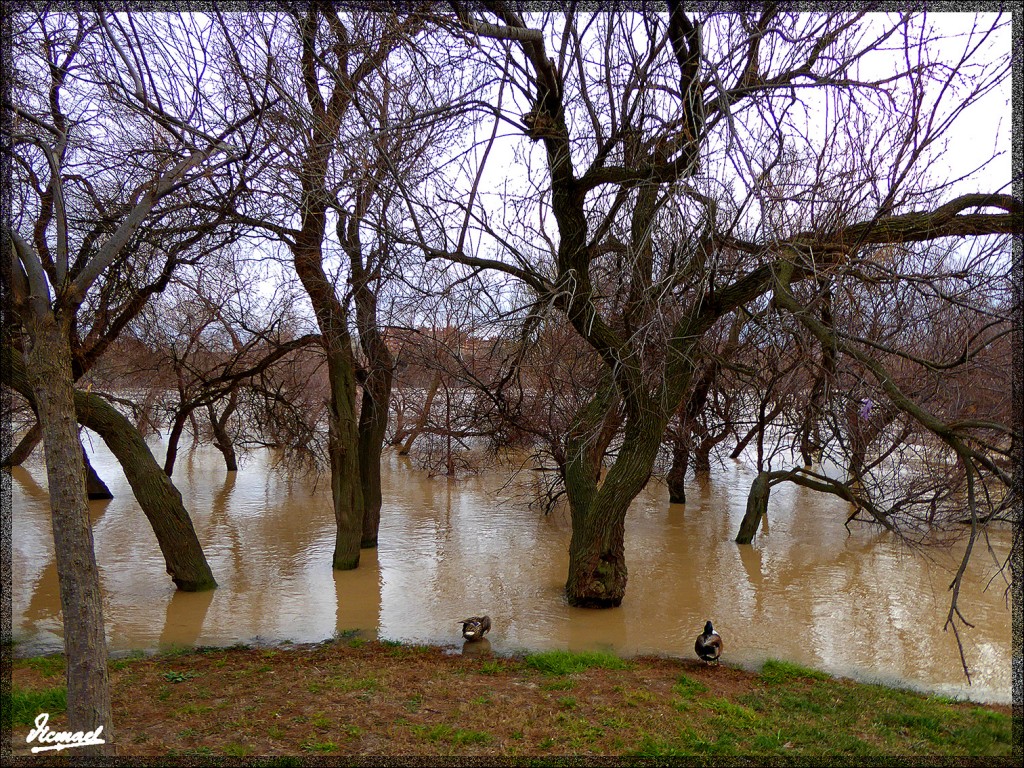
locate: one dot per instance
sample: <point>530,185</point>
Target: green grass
<point>566,662</point>
<point>47,666</point>
<point>802,711</point>
<point>784,712</point>
<point>449,735</point>
<point>25,706</point>
<point>341,683</point>
<point>491,668</point>
<point>311,745</point>
<point>174,676</point>
<point>774,672</point>
<point>687,688</point>
<point>126,661</point>
<point>174,651</point>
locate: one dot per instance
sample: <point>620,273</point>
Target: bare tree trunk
<point>676,478</point>
<point>48,366</point>
<point>346,488</point>
<point>160,500</point>
<point>156,494</point>
<point>24,447</point>
<point>375,408</point>
<point>757,505</point>
<point>819,391</point>
<point>373,423</point>
<point>221,438</point>
<point>597,560</point>
<point>173,438</point>
<point>95,488</point>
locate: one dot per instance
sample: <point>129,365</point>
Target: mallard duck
<point>475,627</point>
<point>709,644</point>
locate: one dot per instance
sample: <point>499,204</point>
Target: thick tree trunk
<point>376,401</point>
<point>95,488</point>
<point>597,561</point>
<point>159,499</point>
<point>346,485</point>
<point>156,494</point>
<point>48,366</point>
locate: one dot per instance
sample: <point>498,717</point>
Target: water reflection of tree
<point>183,621</point>
<point>44,600</point>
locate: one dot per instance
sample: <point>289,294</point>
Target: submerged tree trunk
<point>343,430</point>
<point>373,424</point>
<point>159,499</point>
<point>24,447</point>
<point>48,369</point>
<point>757,506</point>
<point>346,485</point>
<point>95,488</point>
<point>376,401</point>
<point>597,561</point>
<point>156,494</point>
<point>221,438</point>
<point>676,478</point>
<point>173,438</point>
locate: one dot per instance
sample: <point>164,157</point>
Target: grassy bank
<point>356,697</point>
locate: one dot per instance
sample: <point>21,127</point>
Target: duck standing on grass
<point>475,627</point>
<point>709,644</point>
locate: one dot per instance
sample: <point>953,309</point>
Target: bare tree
<point>349,124</point>
<point>77,211</point>
<point>650,133</point>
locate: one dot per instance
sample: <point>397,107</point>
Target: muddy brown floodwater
<point>857,603</point>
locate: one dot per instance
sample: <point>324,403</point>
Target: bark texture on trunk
<point>597,561</point>
<point>221,438</point>
<point>159,499</point>
<point>346,485</point>
<point>48,365</point>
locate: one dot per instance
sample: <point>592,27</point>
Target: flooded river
<point>857,604</point>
